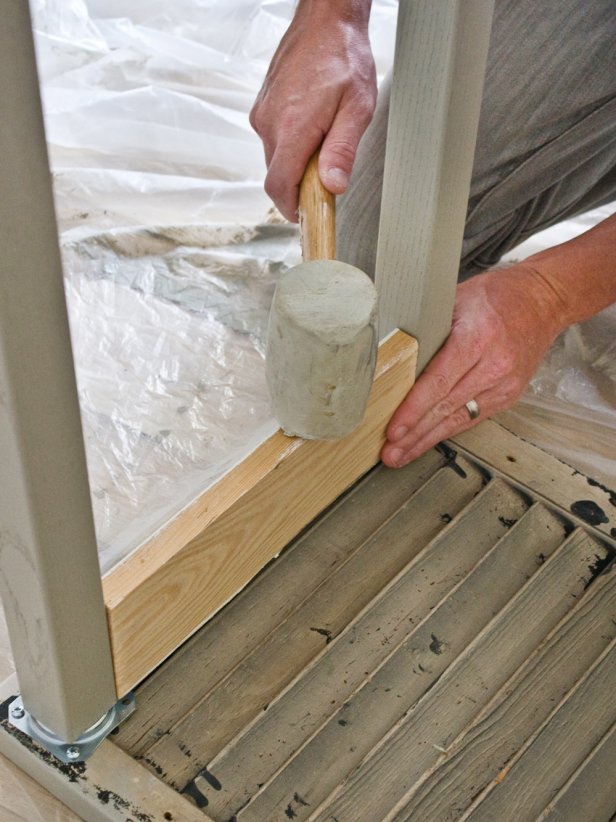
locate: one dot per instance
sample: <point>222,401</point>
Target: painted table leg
<point>441,53</point>
<point>49,574</point>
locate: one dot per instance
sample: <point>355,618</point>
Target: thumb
<point>338,152</point>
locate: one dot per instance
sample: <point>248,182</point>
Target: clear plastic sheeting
<point>170,246</point>
<point>569,407</point>
<point>169,347</point>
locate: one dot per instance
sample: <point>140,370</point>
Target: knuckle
<point>501,365</point>
<point>273,188</point>
<point>444,409</point>
<point>364,106</point>
<point>441,384</point>
<point>253,118</point>
<point>344,153</point>
<point>256,116</point>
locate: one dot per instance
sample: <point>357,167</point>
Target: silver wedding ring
<point>473,409</point>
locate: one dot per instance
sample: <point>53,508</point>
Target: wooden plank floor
<point>440,645</point>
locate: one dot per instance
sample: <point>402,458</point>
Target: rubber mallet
<point>322,335</point>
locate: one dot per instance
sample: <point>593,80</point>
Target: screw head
<point>73,753</point>
<point>17,712</point>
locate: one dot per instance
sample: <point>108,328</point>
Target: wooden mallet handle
<point>317,215</point>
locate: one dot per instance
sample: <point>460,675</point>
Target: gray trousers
<point>546,145</point>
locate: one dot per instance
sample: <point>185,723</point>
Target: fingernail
<point>400,432</point>
<point>337,177</point>
<point>396,455</point>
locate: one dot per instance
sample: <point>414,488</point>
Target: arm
<point>504,322</point>
<point>320,88</point>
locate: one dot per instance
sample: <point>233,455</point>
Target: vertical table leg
<point>439,67</point>
<point>49,574</point>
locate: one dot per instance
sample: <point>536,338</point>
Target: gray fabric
<point>546,145</point>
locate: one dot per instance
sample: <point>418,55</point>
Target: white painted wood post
<point>49,574</point>
<point>439,67</point>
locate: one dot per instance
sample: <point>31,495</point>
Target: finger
<point>475,382</point>
<point>395,457</point>
<point>439,379</point>
<point>340,145</point>
<point>286,169</point>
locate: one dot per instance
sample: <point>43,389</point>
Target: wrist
<point>546,292</point>
<point>581,272</point>
<point>356,12</point>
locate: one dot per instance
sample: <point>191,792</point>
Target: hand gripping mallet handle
<point>322,336</point>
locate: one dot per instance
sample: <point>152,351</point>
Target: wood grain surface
<point>170,586</point>
<point>317,215</point>
<point>449,629</point>
<point>172,690</point>
<point>270,666</point>
<point>579,496</point>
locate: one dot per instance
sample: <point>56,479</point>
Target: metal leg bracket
<point>79,749</point>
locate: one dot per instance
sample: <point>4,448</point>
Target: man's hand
<point>320,88</point>
<point>504,321</point>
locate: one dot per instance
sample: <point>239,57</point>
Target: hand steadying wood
<point>322,336</point>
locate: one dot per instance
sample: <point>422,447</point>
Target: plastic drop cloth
<point>569,407</point>
<point>171,249</point>
<point>171,253</point>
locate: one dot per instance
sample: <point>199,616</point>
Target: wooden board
<point>170,586</point>
<point>483,751</point>
<point>270,666</point>
<point>580,497</point>
<point>591,785</point>
<point>245,624</point>
<point>556,749</point>
<point>445,632</point>
<point>336,692</point>
<point>413,744</point>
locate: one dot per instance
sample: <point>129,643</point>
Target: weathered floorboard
<point>483,750</point>
<point>173,690</point>
<point>248,688</point>
<point>455,629</point>
<point>547,477</point>
<point>412,671</point>
<point>473,678</point>
<point>321,691</point>
<point>584,715</point>
<point>591,786</point>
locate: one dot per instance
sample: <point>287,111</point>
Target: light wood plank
<point>590,789</point>
<point>109,787</point>
<point>163,592</point>
<point>557,750</point>
<point>483,750</point>
<point>252,759</point>
<point>270,598</point>
<point>546,476</point>
<point>472,679</point>
<point>272,665</point>
<point>407,674</point>
<point>441,53</point>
